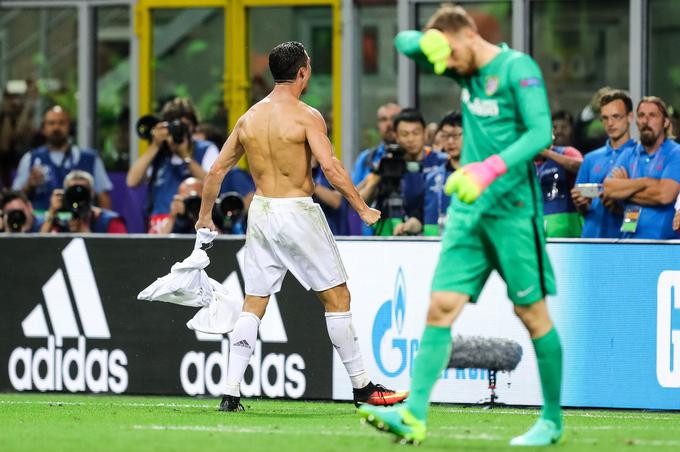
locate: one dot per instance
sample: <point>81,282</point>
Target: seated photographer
<point>331,201</point>
<point>227,214</point>
<point>172,156</point>
<point>16,213</point>
<point>450,134</point>
<point>71,209</point>
<point>397,186</point>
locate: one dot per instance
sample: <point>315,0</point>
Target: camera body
<point>391,168</point>
<point>76,205</point>
<point>227,212</point>
<point>15,220</point>
<point>177,129</point>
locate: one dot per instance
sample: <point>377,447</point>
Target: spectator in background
<point>184,207</point>
<point>369,158</point>
<point>616,113</point>
<point>16,127</point>
<point>409,126</point>
<point>588,131</point>
<point>71,209</point>
<point>450,132</point>
<point>17,213</point>
<point>166,163</point>
<point>556,169</point>
<point>331,201</point>
<point>647,177</point>
<point>187,203</point>
<point>43,169</point>
<point>208,132</point>
<point>675,123</point>
<point>563,128</point>
<point>431,134</point>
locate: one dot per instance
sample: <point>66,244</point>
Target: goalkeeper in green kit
<point>495,217</point>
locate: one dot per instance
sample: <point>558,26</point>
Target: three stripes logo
<point>76,369</point>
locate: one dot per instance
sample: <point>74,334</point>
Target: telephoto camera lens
<point>16,219</point>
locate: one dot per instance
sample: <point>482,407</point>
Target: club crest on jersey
<point>491,85</point>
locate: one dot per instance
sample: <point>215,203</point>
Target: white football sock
<point>241,347</point>
<point>344,340</point>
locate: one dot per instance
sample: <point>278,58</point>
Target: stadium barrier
<point>71,323</point>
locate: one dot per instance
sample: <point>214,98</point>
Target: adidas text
<point>277,375</point>
<point>52,369</point>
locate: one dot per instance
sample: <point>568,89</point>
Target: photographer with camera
<point>227,215</point>
<point>16,214</point>
<point>72,210</point>
<point>397,185</point>
<point>44,168</point>
<point>171,157</point>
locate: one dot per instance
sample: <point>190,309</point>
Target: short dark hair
<point>10,196</point>
<point>452,118</point>
<point>178,108</point>
<point>617,94</point>
<point>563,115</point>
<point>286,59</point>
<point>408,115</point>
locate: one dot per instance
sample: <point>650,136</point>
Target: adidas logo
<point>197,371</point>
<point>96,370</point>
<point>243,343</point>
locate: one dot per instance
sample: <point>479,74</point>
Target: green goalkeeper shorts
<point>473,245</point>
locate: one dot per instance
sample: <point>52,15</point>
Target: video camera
<point>391,169</point>
<point>76,205</point>
<point>228,210</point>
<point>177,129</point>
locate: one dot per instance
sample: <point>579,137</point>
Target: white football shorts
<point>289,234</point>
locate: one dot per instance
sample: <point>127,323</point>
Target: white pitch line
<point>567,414</point>
<point>528,412</point>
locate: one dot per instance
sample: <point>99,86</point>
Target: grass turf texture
<point>46,422</point>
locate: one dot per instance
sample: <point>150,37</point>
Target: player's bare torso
<point>273,134</point>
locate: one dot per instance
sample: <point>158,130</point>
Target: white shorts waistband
<point>283,202</point>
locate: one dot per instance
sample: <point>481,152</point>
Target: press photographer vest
<point>74,159</point>
<point>169,176</point>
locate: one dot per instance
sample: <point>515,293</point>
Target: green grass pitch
<point>47,422</point>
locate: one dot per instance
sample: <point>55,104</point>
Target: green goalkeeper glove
<point>436,48</point>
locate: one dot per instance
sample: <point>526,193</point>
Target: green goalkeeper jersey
<point>505,112</point>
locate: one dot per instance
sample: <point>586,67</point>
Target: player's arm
<point>531,100</point>
<point>231,152</point>
<point>316,135</point>
<point>532,103</point>
<point>410,43</point>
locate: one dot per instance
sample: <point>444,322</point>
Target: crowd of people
<point>607,186</point>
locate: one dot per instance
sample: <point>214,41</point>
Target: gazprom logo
<point>668,337</point>
<point>391,350</point>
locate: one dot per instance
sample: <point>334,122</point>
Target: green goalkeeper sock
<point>549,356</point>
<point>432,358</point>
